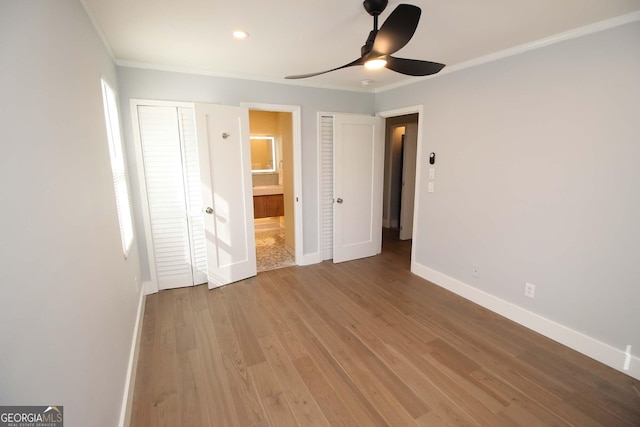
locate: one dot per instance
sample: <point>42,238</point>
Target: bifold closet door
<point>171,170</point>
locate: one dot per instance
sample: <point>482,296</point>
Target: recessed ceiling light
<point>240,34</point>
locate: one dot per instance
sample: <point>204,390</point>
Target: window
<point>118,169</point>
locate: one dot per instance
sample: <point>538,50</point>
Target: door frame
<point>295,110</point>
<point>409,145</point>
<point>416,199</point>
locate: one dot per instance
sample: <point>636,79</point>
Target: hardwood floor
<point>363,343</point>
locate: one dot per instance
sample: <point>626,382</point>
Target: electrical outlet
<point>475,270</point>
<point>529,290</point>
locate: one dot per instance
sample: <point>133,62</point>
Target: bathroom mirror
<point>263,154</point>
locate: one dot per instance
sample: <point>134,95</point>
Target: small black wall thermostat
<point>432,158</point>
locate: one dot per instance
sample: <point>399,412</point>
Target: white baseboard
<point>127,400</point>
<point>386,223</point>
<point>615,358</point>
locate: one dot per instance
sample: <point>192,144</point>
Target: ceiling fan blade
<point>413,67</point>
<point>359,61</point>
<point>397,30</point>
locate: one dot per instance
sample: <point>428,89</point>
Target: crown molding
<point>516,50</point>
<point>237,76</point>
<point>506,53</point>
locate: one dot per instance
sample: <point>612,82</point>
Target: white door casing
<point>358,177</point>
<point>295,111</point>
<point>410,154</point>
<point>225,169</point>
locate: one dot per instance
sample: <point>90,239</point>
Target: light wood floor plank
<point>362,343</point>
<point>164,390</point>
<point>242,392</point>
<point>302,403</point>
<point>341,322</point>
<point>273,400</point>
<point>216,387</point>
<point>362,409</point>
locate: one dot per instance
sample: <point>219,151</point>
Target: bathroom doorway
<point>273,173</point>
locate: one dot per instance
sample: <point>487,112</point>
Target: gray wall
<point>161,85</point>
<point>68,298</point>
<point>537,180</point>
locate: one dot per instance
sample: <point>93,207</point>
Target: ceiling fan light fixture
<point>375,64</point>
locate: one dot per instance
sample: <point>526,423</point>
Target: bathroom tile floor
<point>270,249</point>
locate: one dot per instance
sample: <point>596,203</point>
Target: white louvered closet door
<point>194,195</point>
<point>169,151</point>
<point>326,187</point>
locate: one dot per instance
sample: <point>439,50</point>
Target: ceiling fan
<point>394,34</point>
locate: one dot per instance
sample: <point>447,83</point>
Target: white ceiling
<point>302,36</point>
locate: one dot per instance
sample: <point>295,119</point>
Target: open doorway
<point>273,182</point>
<point>401,143</point>
<point>271,135</point>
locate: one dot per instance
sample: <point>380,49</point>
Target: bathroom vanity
<point>268,206</point>
<point>268,201</point>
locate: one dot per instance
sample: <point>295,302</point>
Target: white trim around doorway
<point>419,162</point>
<point>297,167</point>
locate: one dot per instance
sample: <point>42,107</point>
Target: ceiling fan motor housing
<point>375,7</point>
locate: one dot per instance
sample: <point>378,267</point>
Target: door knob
<point>209,210</point>
<point>339,200</point>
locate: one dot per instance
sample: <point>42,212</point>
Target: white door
<point>175,235</point>
<point>357,183</point>
<point>409,155</point>
<point>227,198</point>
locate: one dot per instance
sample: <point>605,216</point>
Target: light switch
<point>432,173</point>
<point>430,187</point>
